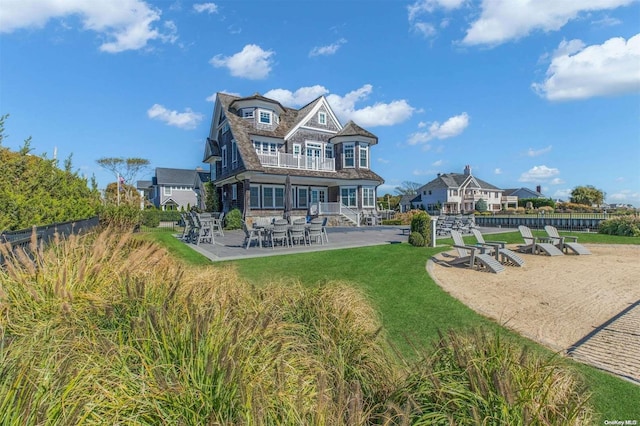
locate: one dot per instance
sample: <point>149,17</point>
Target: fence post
<point>433,231</point>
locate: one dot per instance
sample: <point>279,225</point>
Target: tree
<point>127,168</point>
<point>408,188</point>
<point>481,205</point>
<point>35,191</point>
<point>587,195</point>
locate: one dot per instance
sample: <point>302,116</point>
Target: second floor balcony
<point>300,162</point>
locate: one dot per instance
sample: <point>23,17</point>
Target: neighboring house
<point>455,193</point>
<point>409,201</point>
<point>174,189</point>
<point>145,189</point>
<point>255,143</point>
<point>523,193</point>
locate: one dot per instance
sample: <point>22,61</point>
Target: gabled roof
<point>182,177</point>
<point>243,131</point>
<point>455,180</point>
<point>211,149</point>
<point>144,184</point>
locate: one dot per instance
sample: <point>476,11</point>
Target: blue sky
<point>528,93</point>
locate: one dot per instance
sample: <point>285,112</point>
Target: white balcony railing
<point>301,162</point>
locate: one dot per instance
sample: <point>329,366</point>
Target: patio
<point>230,246</point>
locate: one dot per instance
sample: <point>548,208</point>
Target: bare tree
<point>408,188</point>
<point>127,168</point>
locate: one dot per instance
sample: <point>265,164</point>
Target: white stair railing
<point>335,209</point>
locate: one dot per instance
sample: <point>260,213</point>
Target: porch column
<point>246,188</point>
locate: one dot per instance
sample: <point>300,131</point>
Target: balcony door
<point>314,153</point>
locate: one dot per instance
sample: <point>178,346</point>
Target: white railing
<point>301,162</point>
<point>337,209</point>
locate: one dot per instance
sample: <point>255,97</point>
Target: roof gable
<point>306,117</point>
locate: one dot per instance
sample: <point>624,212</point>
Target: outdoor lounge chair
<point>472,256</point>
<point>563,244</point>
<point>535,245</point>
<point>502,254</point>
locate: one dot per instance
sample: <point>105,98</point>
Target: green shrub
<point>482,378</point>
<point>391,222</point>
<point>150,218</point>
<point>416,239</point>
<point>481,205</point>
<point>233,219</point>
<point>421,223</point>
<point>169,215</point>
<point>628,226</point>
<point>125,217</point>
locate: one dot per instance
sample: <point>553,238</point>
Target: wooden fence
<point>21,239</point>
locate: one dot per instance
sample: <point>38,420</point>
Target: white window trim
<point>234,152</point>
<point>365,149</point>
<point>322,118</point>
<point>248,113</point>
<point>352,147</point>
<point>251,199</point>
<point>234,191</point>
<point>367,189</point>
<point>166,191</point>
<point>267,113</point>
<point>305,204</point>
<point>297,147</point>
<point>223,153</point>
<point>272,203</point>
<point>350,188</point>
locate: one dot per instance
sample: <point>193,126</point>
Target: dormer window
<point>247,113</point>
<point>322,118</point>
<point>265,117</point>
<point>349,155</point>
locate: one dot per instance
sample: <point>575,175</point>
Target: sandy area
<point>553,300</point>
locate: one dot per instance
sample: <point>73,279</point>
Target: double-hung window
<point>247,113</point>
<point>348,195</point>
<point>265,117</point>
<point>322,118</point>
<point>328,151</point>
<point>234,153</point>
<point>368,196</point>
<point>349,154</point>
<point>363,149</point>
<point>273,197</point>
<point>303,198</point>
<point>254,197</point>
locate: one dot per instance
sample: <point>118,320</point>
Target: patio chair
<point>187,228</point>
<point>315,232</point>
<point>563,244</point>
<point>205,232</point>
<point>298,233</point>
<point>250,234</point>
<point>473,256</point>
<point>535,245</point>
<point>218,224</point>
<point>501,252</point>
<point>194,229</point>
<point>323,224</point>
<point>279,233</point>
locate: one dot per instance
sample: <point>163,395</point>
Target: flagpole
<point>118,189</point>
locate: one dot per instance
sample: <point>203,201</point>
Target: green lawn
<point>413,308</point>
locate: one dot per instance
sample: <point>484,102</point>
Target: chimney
<point>467,170</point>
<point>539,189</point>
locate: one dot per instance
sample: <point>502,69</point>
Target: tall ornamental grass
<point>107,329</point>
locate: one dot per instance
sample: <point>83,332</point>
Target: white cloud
<point>563,194</point>
<point>252,62</point>
<point>426,7</point>
<point>124,24</point>
<point>206,7</point>
<point>538,174</point>
<point>184,120</point>
<point>452,127</point>
<point>300,97</point>
<point>437,163</point>
<point>212,97</point>
<point>383,160</point>
<point>378,114</point>
<point>534,153</point>
<point>504,20</point>
<point>557,181</point>
<point>327,50</point>
<point>425,29</point>
<point>497,171</point>
<point>579,72</point>
<point>625,196</point>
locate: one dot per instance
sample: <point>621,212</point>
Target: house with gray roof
<point>457,193</point>
<point>176,189</point>
<point>524,192</point>
<point>256,145</point>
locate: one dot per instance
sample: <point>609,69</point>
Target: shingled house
<point>255,144</point>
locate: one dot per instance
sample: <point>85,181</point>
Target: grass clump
<point>107,329</point>
<point>482,378</point>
